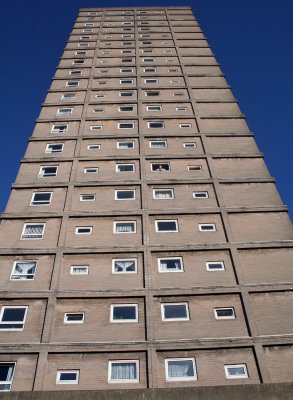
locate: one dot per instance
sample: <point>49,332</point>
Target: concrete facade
<point>144,245</point>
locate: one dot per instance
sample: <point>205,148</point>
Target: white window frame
<point>69,84</point>
<point>208,263</point>
<point>228,376</point>
<point>95,170</point>
<point>41,204</point>
<point>187,125</point>
<point>162,163</point>
<point>156,127</point>
<point>189,145</point>
<point>151,79</point>
<point>83,45</point>
<point>200,226</point>
<point>156,141</point>
<point>80,53</point>
<point>72,96</point>
<point>118,164</point>
<point>166,220</point>
<point>205,193</point>
<point>3,308</point>
<point>126,70</point>
<point>123,222</point>
<point>75,72</point>
<point>111,362</point>
<point>185,303</point>
<point>159,108</point>
<point>125,141</point>
<point>164,271</point>
<point>114,260</point>
<point>33,238</point>
<point>81,197</point>
<point>69,371</point>
<point>119,125</point>
<point>122,94</point>
<point>162,198</point>
<point>148,59</point>
<point>121,305</point>
<point>181,109</point>
<point>147,93</point>
<point>41,171</point>
<point>120,108</point>
<point>55,130</point>
<point>124,190</point>
<point>77,228</point>
<point>216,309</point>
<point>173,379</point>
<point>94,147</point>
<point>68,112</point>
<point>72,267</point>
<point>8,383</point>
<point>96,127</point>
<point>13,275</point>
<point>153,69</point>
<point>66,321</point>
<point>126,81</point>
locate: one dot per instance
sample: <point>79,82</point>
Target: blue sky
<point>252,40</point>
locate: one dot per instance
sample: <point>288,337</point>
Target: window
<point>81,53</point>
<point>151,81</point>
<point>41,199</point>
<point>96,127</point>
<point>89,24</point>
<point>163,194</point>
<point>125,266</point>
<point>175,81</point>
<point>59,128</point>
<point>74,318</point>
<point>12,318</point>
<point>156,125</point>
<point>123,371</point>
<point>184,125</point>
<point>125,70</point>
<point>126,51</point>
<point>68,96</point>
<point>68,377</point>
<point>102,82</point>
<point>170,264</point>
<point>125,125</point>
<point>178,94</point>
<point>127,36</point>
<point>125,168</point>
<point>96,110</point>
<point>87,197</point>
<point>200,195</point>
<point>83,230</point>
<point>124,194</point>
<point>83,45</point>
<point>23,270</point>
<point>75,72</point>
<point>152,93</point>
<point>98,96</point>
<point>91,170</point>
<point>125,108</point>
<point>125,145</point>
<point>94,147</point>
<point>147,51</point>
<point>87,30</point>
<point>189,145</point>
<point>145,35</point>
<point>175,311</point>
<point>72,83</point>
<point>124,313</point>
<point>64,111</point>
<point>194,168</point>
<point>78,62</point>
<point>85,37</point>
<point>215,265</point>
<point>180,369</point>
<point>150,69</point>
<point>33,231</point>
<point>181,108</point>
<point>6,376</point>
<point>236,371</point>
<point>125,227</point>
<point>148,59</point>
<point>158,144</point>
<point>160,167</point>
<point>207,227</point>
<point>224,313</point>
<point>126,81</point>
<point>79,270</point>
<point>167,225</point>
<point>154,108</point>
<point>126,94</point>
<point>126,60</point>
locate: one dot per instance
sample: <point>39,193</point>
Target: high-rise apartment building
<point>144,244</point>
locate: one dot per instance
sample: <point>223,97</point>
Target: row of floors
<point>140,369</point>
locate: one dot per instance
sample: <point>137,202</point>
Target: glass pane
<point>180,369</point>
<point>13,314</point>
<point>175,311</point>
<point>124,313</point>
<point>167,226</point>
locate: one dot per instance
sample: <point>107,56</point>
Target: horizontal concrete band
<point>280,391</point>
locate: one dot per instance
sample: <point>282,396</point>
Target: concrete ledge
<point>279,391</point>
